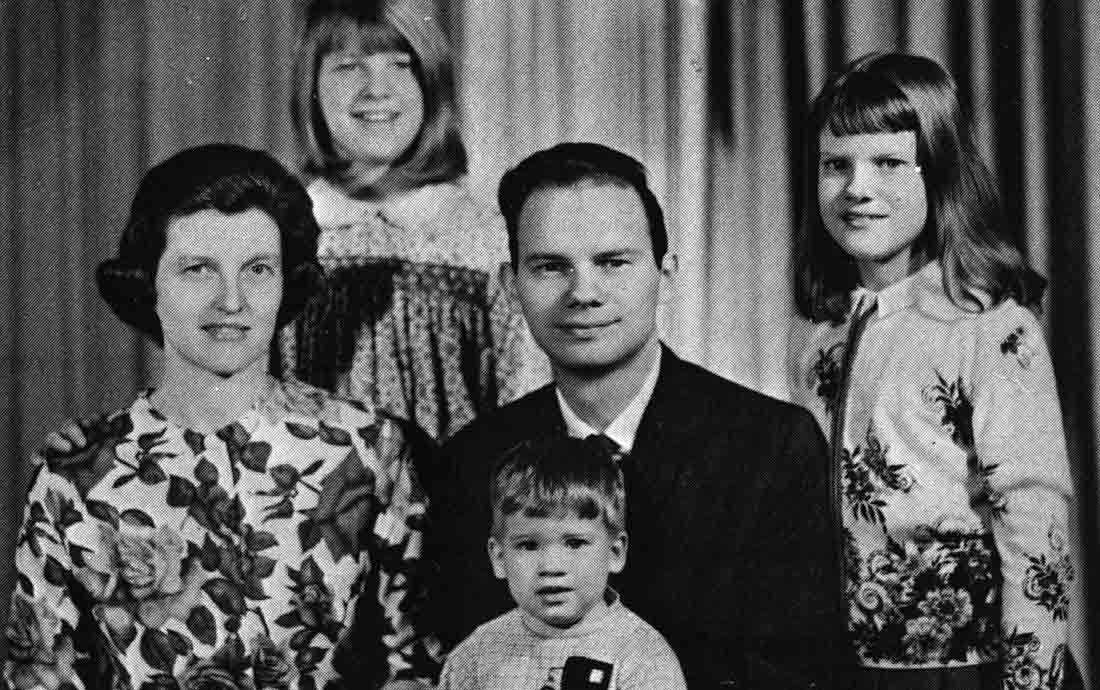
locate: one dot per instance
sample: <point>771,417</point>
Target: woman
<point>219,531</point>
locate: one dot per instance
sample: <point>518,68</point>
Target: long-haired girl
<point>926,367</point>
<point>414,318</point>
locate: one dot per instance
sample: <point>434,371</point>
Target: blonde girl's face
<point>873,201</point>
<point>373,105</point>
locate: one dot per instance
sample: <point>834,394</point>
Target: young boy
<point>557,533</point>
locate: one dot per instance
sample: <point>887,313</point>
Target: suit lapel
<point>664,443</point>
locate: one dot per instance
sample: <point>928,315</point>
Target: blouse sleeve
<point>1023,481</point>
<point>41,629</point>
<point>412,653</point>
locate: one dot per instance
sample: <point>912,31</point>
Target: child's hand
<point>74,436</point>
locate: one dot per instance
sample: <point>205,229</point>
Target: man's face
<point>586,275</point>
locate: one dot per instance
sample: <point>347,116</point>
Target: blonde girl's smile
<point>372,103</point>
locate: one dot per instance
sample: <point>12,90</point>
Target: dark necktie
<point>608,446</point>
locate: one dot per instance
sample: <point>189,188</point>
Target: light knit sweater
<point>518,652</point>
<point>954,481</point>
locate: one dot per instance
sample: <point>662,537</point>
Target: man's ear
<point>496,558</point>
<point>670,264</point>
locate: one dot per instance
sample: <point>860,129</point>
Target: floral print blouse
<point>165,559</point>
<point>416,318</point>
<point>954,482</point>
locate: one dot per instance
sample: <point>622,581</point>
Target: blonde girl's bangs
<point>342,33</point>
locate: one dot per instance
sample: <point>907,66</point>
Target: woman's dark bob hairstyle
<point>220,177</point>
<point>965,230</point>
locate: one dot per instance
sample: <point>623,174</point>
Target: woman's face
<point>873,200</point>
<point>372,103</point>
<point>219,285</point>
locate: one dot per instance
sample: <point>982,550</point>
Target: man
<point>726,489</point>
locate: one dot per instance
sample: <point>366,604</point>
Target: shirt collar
<point>622,429</point>
<point>902,294</point>
<point>333,206</point>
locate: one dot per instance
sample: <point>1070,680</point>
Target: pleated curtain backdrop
<point>711,95</point>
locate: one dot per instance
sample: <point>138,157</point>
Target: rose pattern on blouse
<point>158,558</point>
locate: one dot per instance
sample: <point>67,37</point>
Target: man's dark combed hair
<point>219,177</point>
<point>572,163</point>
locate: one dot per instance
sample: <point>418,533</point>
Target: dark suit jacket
<point>731,549</point>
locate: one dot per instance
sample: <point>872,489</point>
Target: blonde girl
<point>414,318</point>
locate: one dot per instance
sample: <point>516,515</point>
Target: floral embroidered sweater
<point>416,317</point>
<point>954,481</point>
<point>167,559</point>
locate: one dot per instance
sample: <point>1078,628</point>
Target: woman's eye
<point>834,165</point>
<point>403,61</point>
<point>263,269</point>
<point>614,263</point>
<point>195,269</point>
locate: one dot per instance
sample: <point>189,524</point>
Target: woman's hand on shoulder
<point>74,436</point>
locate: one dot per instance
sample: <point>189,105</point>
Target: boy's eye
<point>525,545</point>
<point>614,262</point>
<point>576,542</point>
<point>262,269</point>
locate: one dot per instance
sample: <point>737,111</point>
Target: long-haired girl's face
<point>872,200</point>
<point>370,97</point>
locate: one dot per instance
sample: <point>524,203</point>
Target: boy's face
<point>556,568</point>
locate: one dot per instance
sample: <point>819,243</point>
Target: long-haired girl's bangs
<point>867,104</point>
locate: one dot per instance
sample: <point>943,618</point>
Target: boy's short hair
<point>559,476</point>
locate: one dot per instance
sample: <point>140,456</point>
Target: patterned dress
<point>165,559</point>
<point>416,319</point>
<point>954,482</point>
